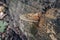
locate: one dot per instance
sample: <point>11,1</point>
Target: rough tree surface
<point>30,20</point>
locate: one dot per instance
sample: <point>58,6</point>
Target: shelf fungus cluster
<point>45,23</point>
<point>2,10</point>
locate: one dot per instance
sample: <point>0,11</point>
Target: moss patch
<point>2,26</point>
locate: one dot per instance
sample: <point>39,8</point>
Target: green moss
<point>2,26</point>
<point>0,38</point>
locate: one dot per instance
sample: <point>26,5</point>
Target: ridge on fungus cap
<point>51,13</point>
<point>33,17</point>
